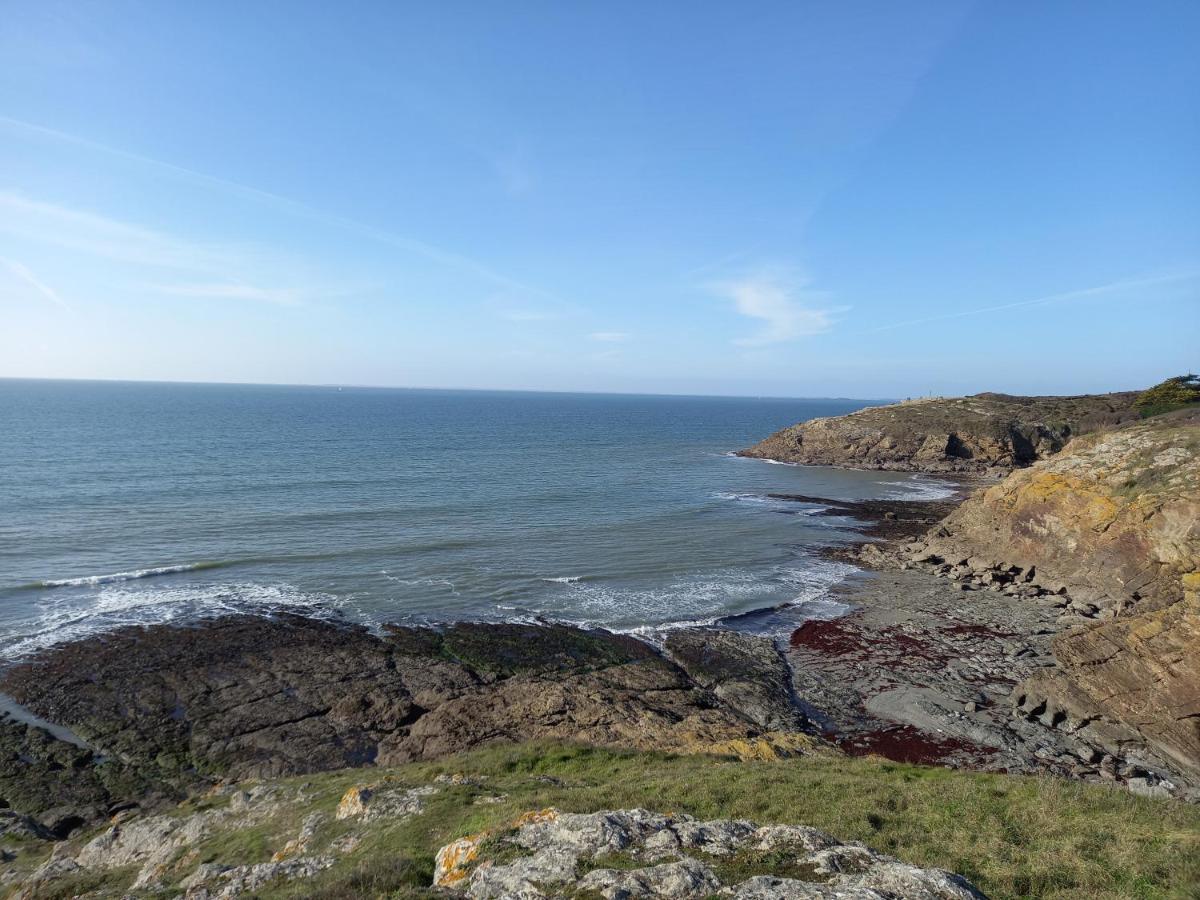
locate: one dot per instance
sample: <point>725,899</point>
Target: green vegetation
<point>515,649</point>
<point>1013,837</point>
<point>1174,393</point>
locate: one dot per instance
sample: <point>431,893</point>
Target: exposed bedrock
<point>981,433</point>
<point>745,671</point>
<point>1109,531</point>
<point>168,707</point>
<point>638,853</point>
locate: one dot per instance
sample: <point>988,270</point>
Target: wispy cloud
<point>296,208</point>
<point>1096,291</point>
<point>191,269</point>
<point>100,236</point>
<point>783,303</point>
<point>233,291</point>
<point>23,272</point>
<point>609,337</point>
<point>527,315</point>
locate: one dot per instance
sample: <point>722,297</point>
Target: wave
<point>422,582</point>
<point>733,454</point>
<point>701,599</point>
<point>919,487</point>
<point>746,498</point>
<point>67,620</point>
<point>132,575</point>
<point>564,579</point>
<point>792,506</point>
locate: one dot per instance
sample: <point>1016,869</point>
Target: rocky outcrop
<point>981,433</point>
<point>172,707</point>
<point>746,671</point>
<point>637,853</point>
<point>1110,529</point>
<point>151,853</point>
<point>63,784</point>
<point>225,849</point>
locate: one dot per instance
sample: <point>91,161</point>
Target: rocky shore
<point>1047,624</point>
<point>981,434</point>
<point>164,711</point>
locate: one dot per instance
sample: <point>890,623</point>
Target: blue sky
<point>814,199</point>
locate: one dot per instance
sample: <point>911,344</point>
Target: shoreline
<point>862,519</point>
<point>896,666</point>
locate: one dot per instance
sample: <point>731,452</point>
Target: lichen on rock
<point>676,856</point>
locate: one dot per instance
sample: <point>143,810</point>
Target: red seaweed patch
<point>835,637</point>
<point>903,743</point>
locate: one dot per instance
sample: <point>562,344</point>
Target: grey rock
<point>1144,787</point>
<point>895,879</point>
<point>768,887</point>
<point>746,671</point>
<point>247,879</point>
<point>526,877</point>
<point>563,845</point>
<point>683,880</point>
<point>254,697</point>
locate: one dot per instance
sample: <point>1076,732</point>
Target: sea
<point>127,503</point>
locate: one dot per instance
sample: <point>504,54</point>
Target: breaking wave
<point>132,575</point>
<point>920,487</point>
<point>62,621</point>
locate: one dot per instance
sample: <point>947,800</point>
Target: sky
<point>861,199</point>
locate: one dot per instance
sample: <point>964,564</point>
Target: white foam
<point>702,599</point>
<point>814,578</point>
<point>132,575</point>
<point>564,579</point>
<point>422,582</point>
<point>653,632</point>
<point>746,498</point>
<point>733,454</point>
<point>920,487</point>
<point>69,620</point>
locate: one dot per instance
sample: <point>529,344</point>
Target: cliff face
<point>957,434</point>
<point>1113,522</point>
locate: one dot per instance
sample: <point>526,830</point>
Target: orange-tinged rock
<point>1114,519</point>
<point>452,865</point>
<point>354,802</point>
<point>453,861</point>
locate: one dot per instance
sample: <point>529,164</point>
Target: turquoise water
<point>123,503</point>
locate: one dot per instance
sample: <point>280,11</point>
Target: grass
<point>1011,836</point>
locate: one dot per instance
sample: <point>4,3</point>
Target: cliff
<point>1110,527</point>
<point>956,434</point>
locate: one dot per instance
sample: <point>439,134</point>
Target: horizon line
<point>429,388</point>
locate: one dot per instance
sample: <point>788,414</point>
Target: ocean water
<point>132,503</point>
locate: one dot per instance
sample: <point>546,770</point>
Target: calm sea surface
<point>123,503</point>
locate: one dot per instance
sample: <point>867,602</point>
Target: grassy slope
<point>1013,837</point>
